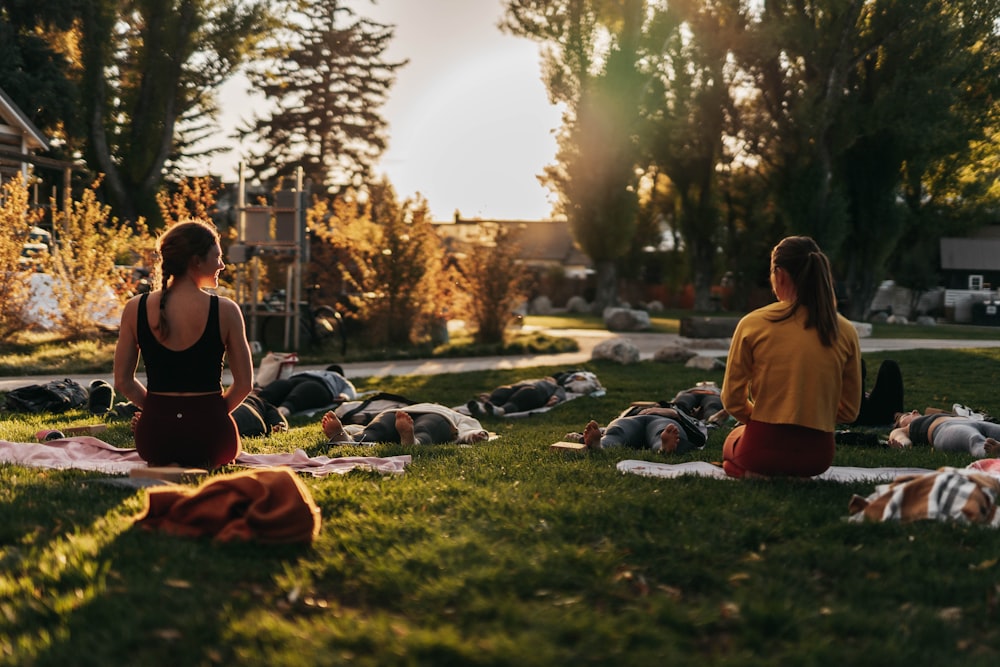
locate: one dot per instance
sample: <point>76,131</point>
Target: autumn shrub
<point>87,283</point>
<point>384,259</point>
<point>495,282</point>
<point>16,220</point>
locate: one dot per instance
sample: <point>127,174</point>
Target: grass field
<point>506,553</point>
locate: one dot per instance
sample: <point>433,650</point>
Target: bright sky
<point>470,125</point>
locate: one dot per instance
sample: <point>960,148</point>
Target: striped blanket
<point>948,494</point>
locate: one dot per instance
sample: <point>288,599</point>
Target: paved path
<point>648,344</point>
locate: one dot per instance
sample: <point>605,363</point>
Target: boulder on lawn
<point>673,354</point>
<point>621,350</point>
<point>626,319</point>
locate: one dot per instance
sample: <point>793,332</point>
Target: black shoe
<point>123,411</point>
<point>475,409</point>
<point>102,395</point>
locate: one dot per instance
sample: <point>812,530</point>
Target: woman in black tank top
<point>183,333</point>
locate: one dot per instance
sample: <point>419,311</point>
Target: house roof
<point>11,114</point>
<point>540,241</point>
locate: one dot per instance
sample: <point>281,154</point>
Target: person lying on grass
<point>533,394</point>
<point>419,424</point>
<point>661,429</point>
<point>946,432</point>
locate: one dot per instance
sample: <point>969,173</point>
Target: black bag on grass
<point>54,396</point>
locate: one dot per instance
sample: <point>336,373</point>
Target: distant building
<point>543,243</point>
<point>19,139</point>
<point>970,272</point>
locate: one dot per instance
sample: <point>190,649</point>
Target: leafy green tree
<point>689,113</point>
<point>33,71</point>
<point>591,51</point>
<point>328,77</point>
<point>146,67</point>
<point>856,105</point>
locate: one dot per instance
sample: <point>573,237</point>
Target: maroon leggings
<point>777,450</point>
<point>195,431</point>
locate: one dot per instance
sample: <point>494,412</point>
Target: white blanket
<point>89,453</point>
<point>706,469</point>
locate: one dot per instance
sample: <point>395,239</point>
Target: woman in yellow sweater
<point>793,371</point>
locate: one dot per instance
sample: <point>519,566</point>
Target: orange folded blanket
<point>269,506</point>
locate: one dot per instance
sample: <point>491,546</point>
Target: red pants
<point>195,431</point>
<point>777,450</point>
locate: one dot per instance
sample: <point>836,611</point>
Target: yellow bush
<point>87,282</point>
<point>16,220</point>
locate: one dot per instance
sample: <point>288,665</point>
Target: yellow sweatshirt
<point>780,372</point>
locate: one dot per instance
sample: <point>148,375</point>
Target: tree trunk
<point>607,286</point>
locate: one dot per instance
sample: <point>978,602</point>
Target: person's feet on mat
<point>670,437</point>
<point>592,435</point>
<point>333,428</point>
<point>404,426</point>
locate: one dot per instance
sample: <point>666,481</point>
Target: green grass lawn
<point>507,553</point>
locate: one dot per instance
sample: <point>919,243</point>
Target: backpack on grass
<point>54,396</point>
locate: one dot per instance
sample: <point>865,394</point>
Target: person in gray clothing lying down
<point>947,433</point>
<point>661,429</point>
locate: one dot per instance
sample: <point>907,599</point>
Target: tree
<point>33,71</point>
<point>591,51</point>
<point>385,258</point>
<point>855,105</point>
<point>144,71</point>
<point>689,111</point>
<point>328,78</point>
<point>496,282</point>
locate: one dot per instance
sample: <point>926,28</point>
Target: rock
<point>673,354</point>
<point>626,319</point>
<point>864,329</point>
<point>577,304</point>
<point>897,319</point>
<point>705,363</point>
<point>621,350</point>
<point>926,321</point>
<point>708,327</point>
<point>654,307</point>
<point>541,305</point>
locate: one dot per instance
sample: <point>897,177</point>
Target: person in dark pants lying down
<point>519,397</point>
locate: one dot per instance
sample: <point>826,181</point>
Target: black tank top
<point>196,369</point>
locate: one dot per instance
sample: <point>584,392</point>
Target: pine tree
<point>328,79</point>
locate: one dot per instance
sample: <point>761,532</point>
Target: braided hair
<point>810,272</point>
<point>181,244</point>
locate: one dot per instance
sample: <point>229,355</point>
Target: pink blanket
<point>85,452</point>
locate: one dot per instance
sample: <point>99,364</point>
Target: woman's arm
<point>735,392</point>
<point>237,353</point>
<point>127,356</point>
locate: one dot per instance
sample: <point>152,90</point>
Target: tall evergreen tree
<point>328,78</point>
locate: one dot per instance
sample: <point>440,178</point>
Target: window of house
<point>975,282</point>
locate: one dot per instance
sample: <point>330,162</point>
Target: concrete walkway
<point>648,344</point>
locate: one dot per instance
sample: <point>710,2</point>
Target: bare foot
<point>134,422</point>
<point>404,426</point>
<point>670,437</point>
<point>479,436</point>
<point>592,435</point>
<point>992,447</point>
<point>333,429</point>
